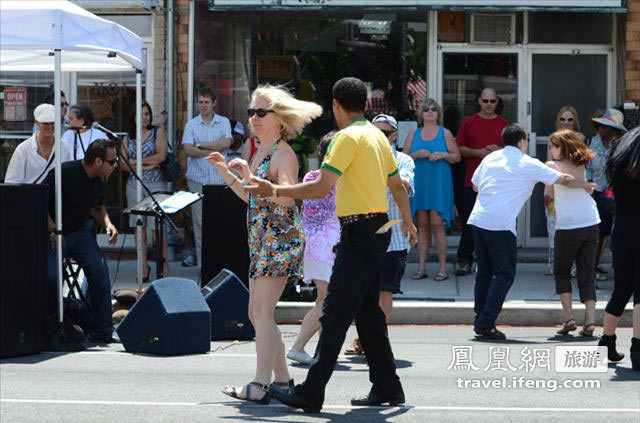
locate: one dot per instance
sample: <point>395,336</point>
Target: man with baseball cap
<point>34,157</point>
<point>394,261</point>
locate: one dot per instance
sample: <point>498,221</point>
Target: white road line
<point>331,407</point>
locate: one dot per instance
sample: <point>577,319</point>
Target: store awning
<point>611,6</point>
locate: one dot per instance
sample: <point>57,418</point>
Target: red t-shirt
<point>478,132</point>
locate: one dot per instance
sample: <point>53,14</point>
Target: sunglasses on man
<point>388,132</point>
<point>489,100</point>
<point>260,112</point>
<point>112,163</point>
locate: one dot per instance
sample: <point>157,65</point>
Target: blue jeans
<point>496,256</point>
<point>83,248</point>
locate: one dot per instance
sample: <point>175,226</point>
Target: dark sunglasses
<point>112,163</point>
<point>492,101</point>
<point>388,132</point>
<point>429,109</point>
<point>64,104</point>
<point>260,112</point>
<point>566,120</point>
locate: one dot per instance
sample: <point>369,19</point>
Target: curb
<point>514,313</point>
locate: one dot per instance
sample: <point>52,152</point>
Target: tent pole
<point>57,86</point>
<point>139,228</point>
<point>169,86</point>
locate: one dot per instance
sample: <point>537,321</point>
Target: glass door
<point>560,78</point>
<point>463,74</point>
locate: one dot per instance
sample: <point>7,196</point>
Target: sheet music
<point>178,201</point>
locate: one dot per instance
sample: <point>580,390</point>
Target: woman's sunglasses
<point>429,109</point>
<point>566,120</point>
<point>260,112</point>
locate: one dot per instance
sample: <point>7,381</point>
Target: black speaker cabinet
<point>224,234</point>
<point>23,268</point>
<point>228,300</point>
<point>170,318</point>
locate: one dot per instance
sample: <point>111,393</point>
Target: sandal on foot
<point>234,392</point>
<point>587,329</point>
<point>355,348</point>
<point>441,276</point>
<point>285,385</point>
<point>567,327</point>
<point>419,275</point>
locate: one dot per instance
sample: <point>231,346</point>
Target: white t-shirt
<point>27,166</point>
<point>575,208</point>
<point>505,180</point>
<point>84,140</point>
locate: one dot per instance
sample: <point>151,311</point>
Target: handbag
<point>170,168</point>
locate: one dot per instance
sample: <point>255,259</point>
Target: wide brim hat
<point>613,118</point>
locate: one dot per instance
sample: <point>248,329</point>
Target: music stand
<point>152,206</point>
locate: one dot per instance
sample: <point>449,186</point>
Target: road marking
<point>330,407</point>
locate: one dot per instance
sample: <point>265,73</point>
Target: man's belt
<point>346,220</point>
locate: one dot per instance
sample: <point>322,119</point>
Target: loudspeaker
<point>228,300</point>
<point>170,318</point>
<point>224,234</point>
<point>23,268</point>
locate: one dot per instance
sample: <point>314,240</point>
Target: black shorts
<point>393,270</point>
<point>606,215</point>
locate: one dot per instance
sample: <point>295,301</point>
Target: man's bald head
<point>488,101</point>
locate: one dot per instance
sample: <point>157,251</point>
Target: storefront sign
<point>439,3</point>
<point>277,67</point>
<point>15,104</point>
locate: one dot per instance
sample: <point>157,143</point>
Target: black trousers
<point>626,262</point>
<point>577,245</point>
<point>354,292</point>
<point>465,248</point>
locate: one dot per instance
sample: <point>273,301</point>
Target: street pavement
<point>106,384</point>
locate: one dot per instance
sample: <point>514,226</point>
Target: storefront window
<point>308,53</point>
<point>28,89</point>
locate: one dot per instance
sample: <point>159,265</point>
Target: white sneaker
<point>300,357</point>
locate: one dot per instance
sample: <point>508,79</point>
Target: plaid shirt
<point>405,170</point>
<point>197,131</point>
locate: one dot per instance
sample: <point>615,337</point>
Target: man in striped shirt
<point>203,134</point>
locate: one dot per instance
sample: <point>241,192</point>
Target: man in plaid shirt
<point>396,257</point>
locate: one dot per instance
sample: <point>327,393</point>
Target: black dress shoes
<point>374,399</point>
<point>491,333</point>
<point>291,398</point>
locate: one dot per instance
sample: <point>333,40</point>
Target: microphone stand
<point>160,215</point>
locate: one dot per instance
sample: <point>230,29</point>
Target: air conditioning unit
<point>493,28</point>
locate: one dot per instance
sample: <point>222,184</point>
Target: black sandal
<point>285,385</point>
<point>585,332</point>
<point>568,326</point>
<point>234,393</point>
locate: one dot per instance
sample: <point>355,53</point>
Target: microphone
<point>110,134</point>
<point>75,128</point>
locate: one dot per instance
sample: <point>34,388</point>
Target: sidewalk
<point>531,300</point>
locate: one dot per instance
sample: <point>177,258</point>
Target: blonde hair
<point>292,113</point>
<point>576,121</point>
<point>423,105</point>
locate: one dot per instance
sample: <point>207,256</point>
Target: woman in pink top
<point>322,233</point>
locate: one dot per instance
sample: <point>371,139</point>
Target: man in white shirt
<point>504,181</point>
<point>34,157</point>
<point>203,134</point>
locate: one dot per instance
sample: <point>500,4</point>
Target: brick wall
<point>632,42</point>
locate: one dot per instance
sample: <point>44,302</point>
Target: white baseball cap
<point>45,113</point>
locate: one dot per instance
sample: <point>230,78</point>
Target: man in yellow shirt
<point>361,157</point>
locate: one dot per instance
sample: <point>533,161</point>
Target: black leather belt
<point>357,217</point>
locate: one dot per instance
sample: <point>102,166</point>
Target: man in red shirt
<point>479,135</point>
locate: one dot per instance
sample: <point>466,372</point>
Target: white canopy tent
<point>57,36</point>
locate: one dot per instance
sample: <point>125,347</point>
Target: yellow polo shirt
<point>362,156</point>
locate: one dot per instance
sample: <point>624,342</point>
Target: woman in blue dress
<point>433,149</point>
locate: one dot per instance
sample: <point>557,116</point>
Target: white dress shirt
<point>505,180</point>
<point>26,165</point>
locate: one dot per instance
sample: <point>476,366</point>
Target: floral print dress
<point>276,240</point>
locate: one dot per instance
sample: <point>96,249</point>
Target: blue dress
<point>433,180</point>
